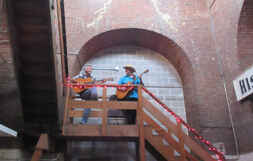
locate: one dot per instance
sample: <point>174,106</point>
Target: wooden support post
<point>41,145</point>
<point>66,110</point>
<point>59,18</point>
<point>36,155</point>
<point>105,111</point>
<point>137,151</point>
<point>141,125</point>
<point>181,141</point>
<point>67,150</point>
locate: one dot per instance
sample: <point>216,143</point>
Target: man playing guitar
<point>88,94</point>
<point>129,94</point>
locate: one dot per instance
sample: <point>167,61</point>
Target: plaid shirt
<point>84,76</point>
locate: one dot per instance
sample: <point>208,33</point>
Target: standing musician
<point>88,94</point>
<point>132,95</point>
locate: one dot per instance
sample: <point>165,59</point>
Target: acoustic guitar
<point>122,92</point>
<point>86,81</point>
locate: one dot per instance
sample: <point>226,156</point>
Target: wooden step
<point>157,142</point>
<point>101,104</point>
<point>96,130</point>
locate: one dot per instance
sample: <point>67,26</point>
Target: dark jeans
<point>130,114</point>
<point>89,94</point>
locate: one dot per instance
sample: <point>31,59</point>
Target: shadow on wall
<point>10,111</point>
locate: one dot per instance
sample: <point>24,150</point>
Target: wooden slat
<point>86,104</point>
<point>30,58</point>
<point>157,142</point>
<point>122,130</point>
<point>141,126</point>
<point>38,84</point>
<point>73,113</point>
<point>49,98</point>
<point>108,104</point>
<point>34,38</point>
<point>121,105</point>
<point>82,130</point>
<point>96,130</point>
<point>34,9</point>
<point>160,116</point>
<point>34,28</point>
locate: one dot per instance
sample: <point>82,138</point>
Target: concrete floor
<point>245,157</point>
<point>112,152</point>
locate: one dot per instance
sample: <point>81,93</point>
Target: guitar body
<point>82,81</point>
<point>89,80</point>
<point>122,93</point>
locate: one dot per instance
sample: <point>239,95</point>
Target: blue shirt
<point>125,79</point>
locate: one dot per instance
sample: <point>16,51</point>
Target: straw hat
<point>130,67</point>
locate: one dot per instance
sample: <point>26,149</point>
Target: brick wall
<point>243,112</point>
<point>180,31</point>
<point>207,33</point>
<point>230,20</point>
<point>245,35</point>
<point>10,111</point>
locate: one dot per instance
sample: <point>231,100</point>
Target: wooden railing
<point>166,136</point>
<point>40,147</point>
<point>72,110</point>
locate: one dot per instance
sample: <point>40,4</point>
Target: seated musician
<point>87,94</point>
<point>132,95</point>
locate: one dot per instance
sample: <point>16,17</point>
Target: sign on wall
<point>243,84</point>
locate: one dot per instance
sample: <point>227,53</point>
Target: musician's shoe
<point>82,122</point>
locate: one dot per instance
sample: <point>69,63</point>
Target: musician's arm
<point>137,80</point>
<point>73,81</point>
<point>121,81</point>
<point>141,82</point>
<point>77,76</point>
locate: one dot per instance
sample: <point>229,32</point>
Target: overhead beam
<point>5,130</point>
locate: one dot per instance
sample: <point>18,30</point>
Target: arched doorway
<point>162,79</point>
<point>170,69</point>
<point>148,40</point>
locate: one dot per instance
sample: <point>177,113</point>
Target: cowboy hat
<point>129,67</point>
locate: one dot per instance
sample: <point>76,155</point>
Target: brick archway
<point>245,35</point>
<point>245,59</point>
<point>154,41</point>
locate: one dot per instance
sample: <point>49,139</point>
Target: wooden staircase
<point>171,141</point>
<point>166,136</point>
<point>33,50</point>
